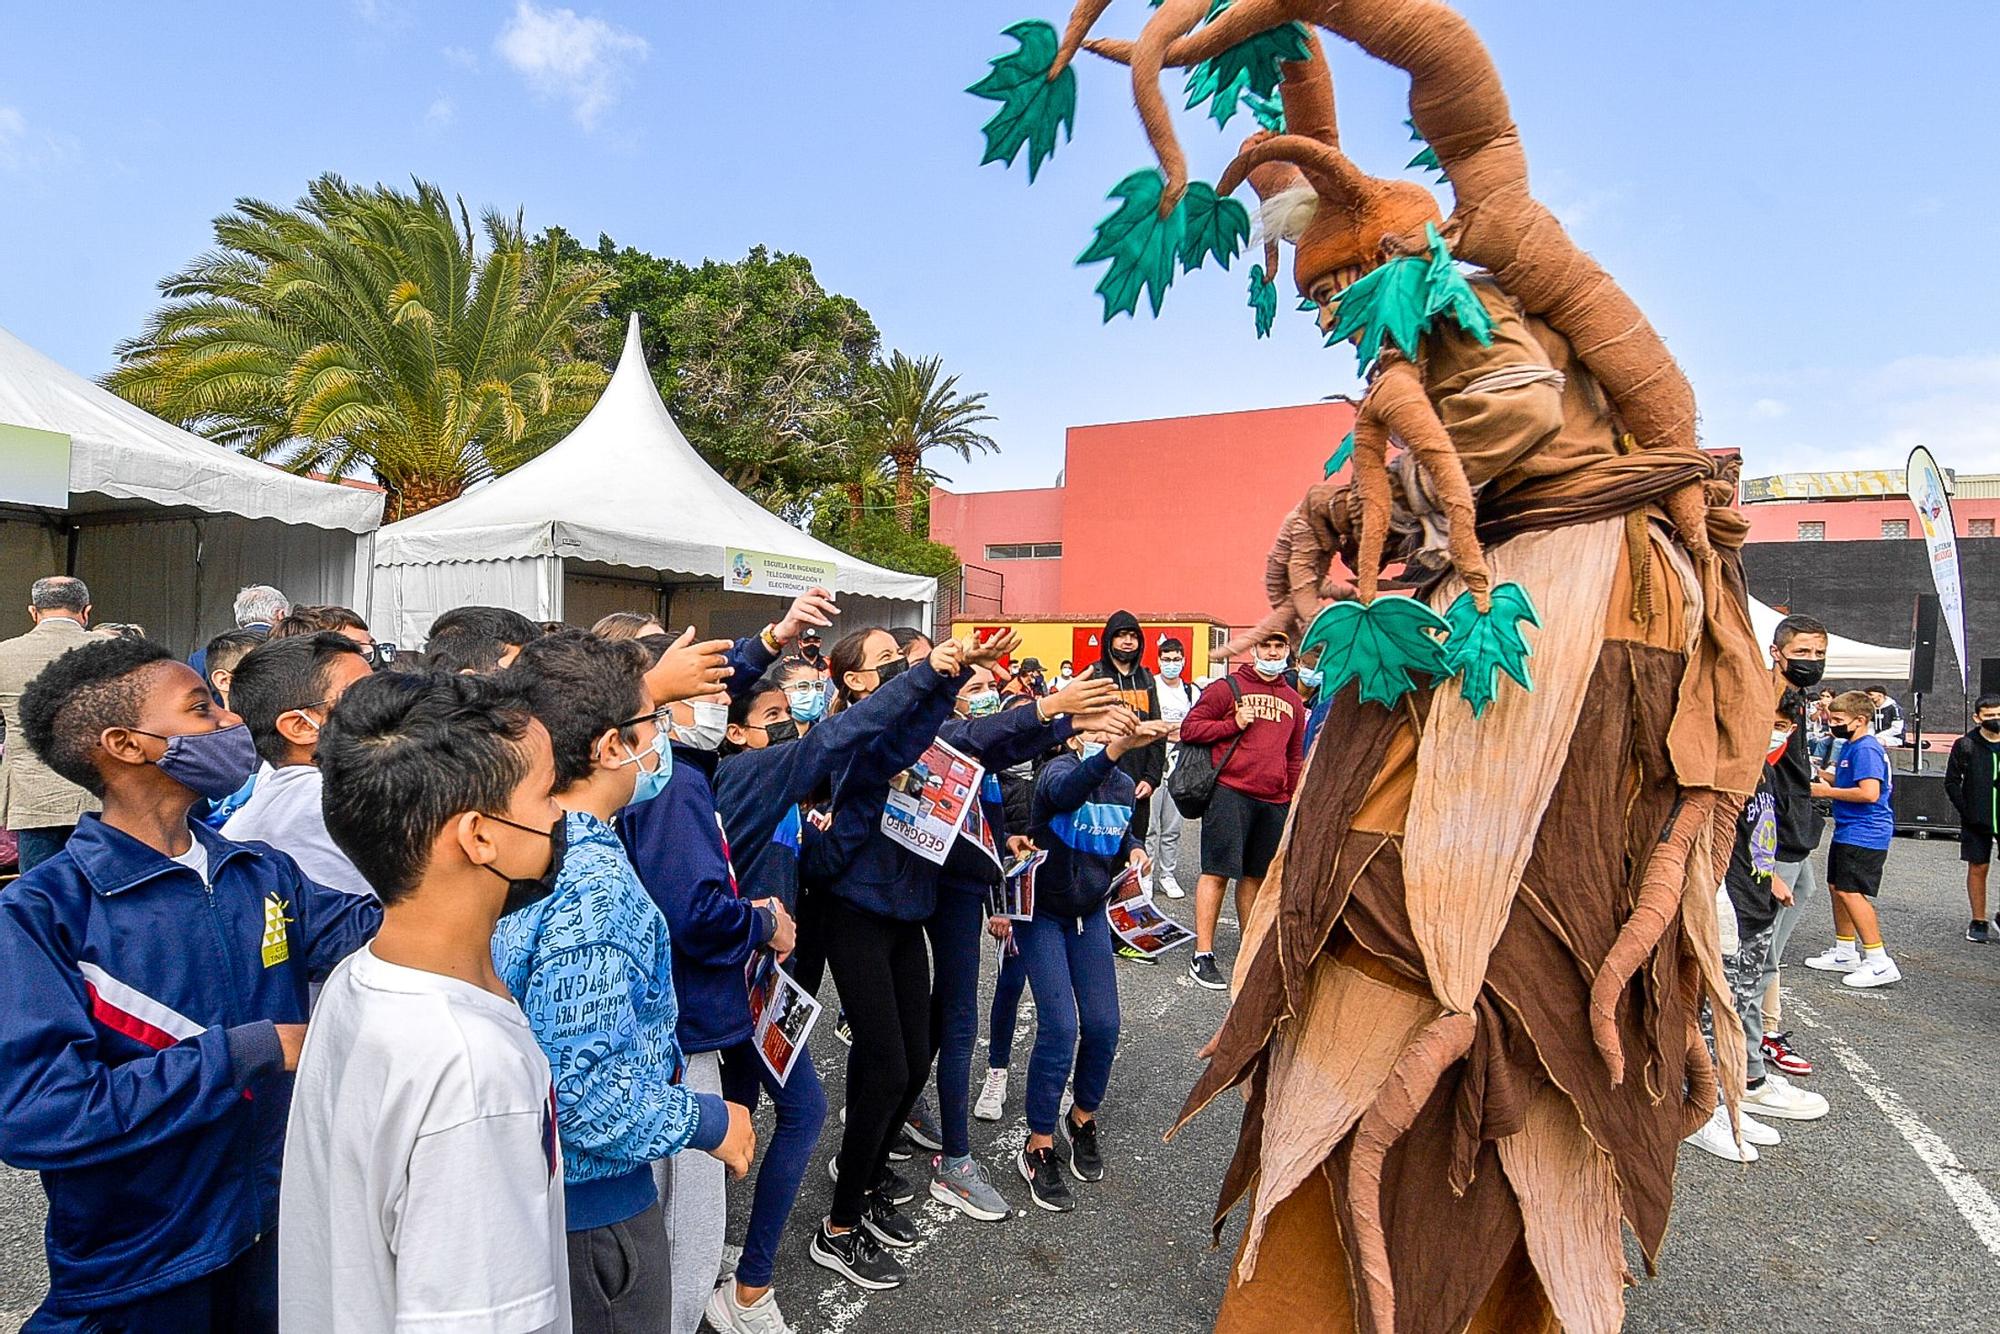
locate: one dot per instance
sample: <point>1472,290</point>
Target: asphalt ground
<point>1882,1215</point>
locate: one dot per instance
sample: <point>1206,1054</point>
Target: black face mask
<point>1124,657</point>
<point>1991,725</point>
<point>525,890</point>
<point>785,729</point>
<point>890,670</point>
<point>1857,730</point>
<point>1803,672</point>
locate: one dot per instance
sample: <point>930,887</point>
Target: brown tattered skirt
<point>1433,1139</point>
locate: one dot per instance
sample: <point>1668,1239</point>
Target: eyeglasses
<point>659,717</point>
<point>379,653</point>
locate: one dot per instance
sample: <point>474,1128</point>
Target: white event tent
<point>163,525</point>
<point>621,514</point>
<point>1846,659</point>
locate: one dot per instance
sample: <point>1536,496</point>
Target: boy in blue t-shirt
<point>1862,828</point>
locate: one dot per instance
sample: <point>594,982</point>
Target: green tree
<point>874,534</point>
<point>366,329</point>
<point>762,367</point>
<point>912,412</point>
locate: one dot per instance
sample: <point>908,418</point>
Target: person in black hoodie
<point>1122,646</point>
<point>1083,820</point>
<point>1972,781</point>
<point>1798,652</point>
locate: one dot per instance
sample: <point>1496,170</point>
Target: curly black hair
<point>70,703</point>
<point>580,686</point>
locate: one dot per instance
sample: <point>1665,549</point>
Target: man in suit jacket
<point>37,804</point>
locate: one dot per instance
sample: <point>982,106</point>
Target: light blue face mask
<point>651,782</point>
<point>807,702</point>
<point>1092,749</point>
<point>1309,677</point>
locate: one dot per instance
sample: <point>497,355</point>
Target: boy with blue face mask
<point>1177,696</point>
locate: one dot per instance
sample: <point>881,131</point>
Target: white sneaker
<point>1756,1132</point>
<point>1779,1097</point>
<point>760,1317</point>
<point>1171,887</point>
<point>992,1101</point>
<point>1876,972</point>
<point>1715,1137</point>
<point>1835,960</point>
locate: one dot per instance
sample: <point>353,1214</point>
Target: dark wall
<point>1867,591</point>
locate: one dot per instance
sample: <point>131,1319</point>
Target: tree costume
<point>1465,1023</point>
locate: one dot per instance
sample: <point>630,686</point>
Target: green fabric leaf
<point>1384,645</point>
<point>1251,64</point>
<point>1427,157</point>
<point>1263,300</point>
<point>1481,647</point>
<point>1338,459</point>
<point>1141,245</point>
<point>1213,225</point>
<point>1269,111</point>
<point>1307,303</point>
<point>1032,106</point>
<point>1401,300</point>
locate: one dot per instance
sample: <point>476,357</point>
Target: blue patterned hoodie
<point>1083,820</point>
<point>592,970</point>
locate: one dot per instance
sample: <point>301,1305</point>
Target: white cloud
<point>460,57</point>
<point>26,148</point>
<point>1769,409</point>
<point>440,113</point>
<point>584,61</point>
<point>1873,419</point>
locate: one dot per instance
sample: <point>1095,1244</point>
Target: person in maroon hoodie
<point>1255,724</point>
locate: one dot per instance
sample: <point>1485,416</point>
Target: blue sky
<point>1801,197</point>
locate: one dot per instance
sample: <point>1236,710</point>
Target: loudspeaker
<point>1989,676</point>
<point>1917,803</point>
<point>1923,643</point>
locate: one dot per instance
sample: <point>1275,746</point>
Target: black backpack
<point>1195,775</point>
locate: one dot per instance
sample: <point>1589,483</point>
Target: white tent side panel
<point>1846,659</point>
<point>409,597</point>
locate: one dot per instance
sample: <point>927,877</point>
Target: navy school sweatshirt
<point>1083,820</point>
<point>998,741</point>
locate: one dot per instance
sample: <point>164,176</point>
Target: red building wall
<point>1857,520</point>
<point>972,522</point>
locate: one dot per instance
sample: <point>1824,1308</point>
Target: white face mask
<point>1780,738</point>
<point>711,720</point>
<point>1270,669</point>
<point>1171,668</point>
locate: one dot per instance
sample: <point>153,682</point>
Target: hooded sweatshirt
<point>1083,820</point>
<point>1972,779</point>
<point>1266,763</point>
<point>1146,764</point>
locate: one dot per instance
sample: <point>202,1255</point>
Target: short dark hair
<point>1792,703</point>
<point>1793,626</point>
<point>404,755</point>
<point>770,683</point>
<point>285,674</point>
<point>1988,701</point>
<point>580,686</point>
<point>227,649</point>
<point>66,708</point>
<point>464,651</point>
<point>501,623</point>
<point>906,635</point>
<point>313,620</point>
<point>59,592</point>
<point>1172,645</point>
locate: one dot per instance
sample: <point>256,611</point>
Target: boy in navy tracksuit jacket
<point>153,1000</point>
<point>1083,820</point>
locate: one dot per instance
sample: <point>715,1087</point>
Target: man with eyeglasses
<point>284,691</point>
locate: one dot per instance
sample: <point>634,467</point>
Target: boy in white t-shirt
<point>1177,696</point>
<point>423,1179</point>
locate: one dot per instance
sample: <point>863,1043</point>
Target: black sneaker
<point>1979,933</point>
<point>1043,1174</point>
<point>892,1185</point>
<point>900,1150</point>
<point>887,1222</point>
<point>1085,1162</point>
<point>857,1257</point>
<point>1205,974</point>
<point>843,1030</point>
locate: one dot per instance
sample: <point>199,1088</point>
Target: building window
<point>1023,550</point>
<point>1812,531</point>
<point>1895,527</point>
<point>1979,527</point>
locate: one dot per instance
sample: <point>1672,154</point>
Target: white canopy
<point>163,525</point>
<point>624,489</point>
<point>1846,659</point>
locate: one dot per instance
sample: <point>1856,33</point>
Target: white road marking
<point>1967,1195</point>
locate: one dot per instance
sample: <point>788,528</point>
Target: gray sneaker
<point>922,1127</point>
<point>960,1183</point>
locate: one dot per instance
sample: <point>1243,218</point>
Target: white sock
<point>1874,952</point>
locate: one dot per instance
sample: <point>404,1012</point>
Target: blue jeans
<point>38,845</point>
<point>1007,988</point>
<point>955,930</point>
<point>801,1108</point>
<point>1076,1003</point>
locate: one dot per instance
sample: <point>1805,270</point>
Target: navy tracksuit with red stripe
<point>140,1072</point>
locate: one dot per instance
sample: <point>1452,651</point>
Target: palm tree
<point>913,413</point>
<point>365,330</point>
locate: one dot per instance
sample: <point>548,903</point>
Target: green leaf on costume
<point>1251,64</point>
<point>1307,303</point>
<point>1213,225</point>
<point>1142,246</point>
<point>1427,157</point>
<point>1384,645</point>
<point>1032,105</point>
<point>1338,459</point>
<point>1481,647</point>
<point>1269,111</point>
<point>1263,300</point>
<point>1401,300</point>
